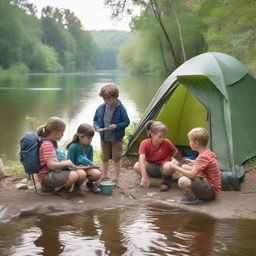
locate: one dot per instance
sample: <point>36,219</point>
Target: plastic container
<point>106,187</point>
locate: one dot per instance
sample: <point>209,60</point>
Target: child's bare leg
<point>136,167</point>
<point>81,177</point>
<point>105,168</point>
<point>167,169</point>
<point>72,178</point>
<point>185,185</point>
<point>117,165</point>
<point>93,174</point>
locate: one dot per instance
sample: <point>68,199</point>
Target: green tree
<point>45,59</point>
<point>152,51</point>
<point>230,28</point>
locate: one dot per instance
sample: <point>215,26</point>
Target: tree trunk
<point>159,19</point>
<point>172,4</point>
<point>162,54</point>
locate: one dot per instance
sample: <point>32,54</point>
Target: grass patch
<point>14,169</point>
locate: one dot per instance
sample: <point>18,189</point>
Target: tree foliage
<point>167,33</point>
<point>55,42</point>
<point>171,31</point>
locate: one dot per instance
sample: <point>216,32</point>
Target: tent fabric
<point>215,91</point>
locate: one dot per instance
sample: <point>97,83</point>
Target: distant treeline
<point>169,32</point>
<point>55,42</point>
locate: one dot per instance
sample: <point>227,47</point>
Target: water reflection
<point>73,97</point>
<point>152,230</point>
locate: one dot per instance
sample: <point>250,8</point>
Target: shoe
<point>79,192</point>
<point>165,186</point>
<point>189,200</point>
<point>115,181</point>
<point>64,193</point>
<point>92,187</point>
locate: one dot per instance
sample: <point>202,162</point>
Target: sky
<point>92,13</point>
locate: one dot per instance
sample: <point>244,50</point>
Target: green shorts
<point>56,178</point>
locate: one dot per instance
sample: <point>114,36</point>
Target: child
<point>202,176</point>
<point>155,156</point>
<point>80,152</point>
<point>56,173</point>
<point>111,115</point>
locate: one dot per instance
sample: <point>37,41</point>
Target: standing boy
<point>201,177</point>
<point>112,116</point>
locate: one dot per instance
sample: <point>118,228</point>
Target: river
<point>73,97</point>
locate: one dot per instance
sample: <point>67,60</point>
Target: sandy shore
<point>230,204</point>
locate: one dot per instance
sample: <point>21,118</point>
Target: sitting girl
<point>155,155</point>
<point>56,174</point>
<point>80,152</point>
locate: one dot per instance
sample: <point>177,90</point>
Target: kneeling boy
<point>201,177</point>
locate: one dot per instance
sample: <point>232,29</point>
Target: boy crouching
<point>201,177</point>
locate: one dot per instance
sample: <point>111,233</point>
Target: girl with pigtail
<point>58,175</point>
<point>155,156</point>
<point>80,152</point>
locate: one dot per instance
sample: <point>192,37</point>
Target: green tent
<point>214,91</point>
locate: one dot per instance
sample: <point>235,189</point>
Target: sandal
<point>92,187</point>
<point>64,193</point>
<point>78,191</point>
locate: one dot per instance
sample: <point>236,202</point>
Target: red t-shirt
<point>46,153</point>
<point>157,154</point>
<point>208,168</point>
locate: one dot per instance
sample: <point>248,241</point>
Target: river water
<point>73,97</point>
<point>149,230</point>
<point>143,230</point>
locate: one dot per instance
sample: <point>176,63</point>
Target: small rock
<point>151,193</point>
<point>25,180</point>
<point>21,186</point>
<point>2,169</point>
<point>81,201</point>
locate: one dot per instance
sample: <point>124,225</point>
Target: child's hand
<point>145,182</point>
<point>189,161</point>
<point>70,164</point>
<point>112,126</point>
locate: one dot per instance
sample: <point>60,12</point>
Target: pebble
<point>21,186</point>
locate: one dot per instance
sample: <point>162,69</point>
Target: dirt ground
<point>230,204</point>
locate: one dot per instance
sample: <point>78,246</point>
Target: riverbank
<point>230,204</point>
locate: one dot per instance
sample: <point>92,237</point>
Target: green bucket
<point>106,187</point>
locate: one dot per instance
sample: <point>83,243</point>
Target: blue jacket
<point>119,118</point>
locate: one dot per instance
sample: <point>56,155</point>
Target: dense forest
<point>55,42</point>
<point>165,33</point>
<point>168,32</point>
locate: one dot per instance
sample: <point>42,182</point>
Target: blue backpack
<point>29,152</point>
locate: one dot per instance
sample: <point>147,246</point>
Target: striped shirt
<point>46,153</point>
<point>208,168</point>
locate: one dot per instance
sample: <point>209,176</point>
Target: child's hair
<point>53,124</point>
<point>82,130</point>
<point>155,127</point>
<point>200,135</point>
<point>109,90</point>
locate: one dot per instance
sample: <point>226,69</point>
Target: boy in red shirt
<point>155,156</point>
<point>201,177</point>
